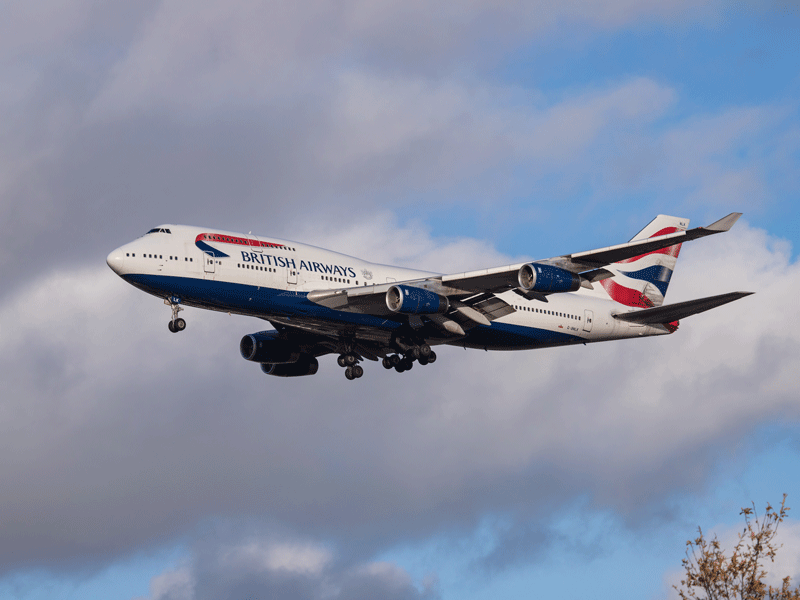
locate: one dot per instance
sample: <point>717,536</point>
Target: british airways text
<point>314,267</point>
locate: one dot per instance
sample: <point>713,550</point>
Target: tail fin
<point>642,281</point>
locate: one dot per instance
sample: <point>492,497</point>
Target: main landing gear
<point>176,324</point>
<point>352,370</point>
<point>422,354</point>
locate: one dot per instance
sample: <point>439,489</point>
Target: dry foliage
<point>710,575</point>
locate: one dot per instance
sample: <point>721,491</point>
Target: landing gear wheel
<point>395,358</point>
<point>350,359</point>
<point>348,372</point>
<point>387,363</point>
<point>341,361</point>
<point>407,364</point>
<point>422,360</point>
<point>175,324</point>
<point>424,351</point>
<point>432,357</point>
<point>358,371</point>
<point>399,368</point>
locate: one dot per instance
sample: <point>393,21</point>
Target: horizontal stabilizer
<point>681,310</point>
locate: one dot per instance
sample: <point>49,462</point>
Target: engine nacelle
<point>409,300</point>
<point>268,347</point>
<point>305,365</point>
<point>547,279</point>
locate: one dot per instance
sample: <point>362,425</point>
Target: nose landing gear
<point>176,324</point>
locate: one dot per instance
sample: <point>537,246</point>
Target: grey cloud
<point>166,114</point>
<point>62,160</point>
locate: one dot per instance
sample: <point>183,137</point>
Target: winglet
<point>725,223</point>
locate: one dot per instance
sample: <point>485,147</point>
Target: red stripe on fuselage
<point>627,296</point>
<point>232,239</point>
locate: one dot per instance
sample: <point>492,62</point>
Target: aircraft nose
<point>114,260</point>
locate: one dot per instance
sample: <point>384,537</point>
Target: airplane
<point>321,302</point>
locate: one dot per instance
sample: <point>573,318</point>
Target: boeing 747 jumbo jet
<point>321,302</point>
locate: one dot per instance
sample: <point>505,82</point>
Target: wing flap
<point>484,280</point>
<point>370,300</point>
<point>494,308</point>
<point>680,310</point>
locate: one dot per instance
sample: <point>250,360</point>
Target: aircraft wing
<point>588,264</point>
<point>467,308</point>
<point>322,336</point>
<point>472,293</point>
<point>594,259</point>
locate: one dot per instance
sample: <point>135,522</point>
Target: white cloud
<point>449,130</point>
<point>303,559</point>
<point>264,567</point>
<point>385,241</point>
<point>202,54</point>
<point>177,584</point>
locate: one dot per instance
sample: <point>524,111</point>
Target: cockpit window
<point>158,230</point>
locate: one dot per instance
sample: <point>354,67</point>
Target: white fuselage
<point>266,277</point>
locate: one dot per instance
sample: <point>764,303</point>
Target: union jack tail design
<point>642,281</point>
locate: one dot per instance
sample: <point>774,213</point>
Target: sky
<point>136,464</point>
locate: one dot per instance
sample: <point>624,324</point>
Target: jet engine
<point>547,279</point>
<point>305,365</point>
<point>268,347</point>
<point>409,300</point>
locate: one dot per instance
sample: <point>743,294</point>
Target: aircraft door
<point>208,263</point>
<point>291,275</point>
<point>588,317</point>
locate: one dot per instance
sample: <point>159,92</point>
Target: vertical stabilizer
<point>642,281</point>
